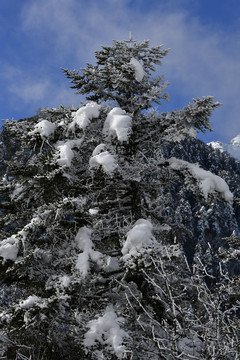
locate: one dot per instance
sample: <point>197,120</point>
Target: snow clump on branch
<point>139,239</point>
<point>29,302</point>
<point>208,182</point>
<point>104,159</point>
<point>44,128</point>
<point>9,248</point>
<point>84,115</point>
<point>65,152</point>
<point>85,244</point>
<point>118,124</point>
<point>138,69</point>
<point>106,331</point>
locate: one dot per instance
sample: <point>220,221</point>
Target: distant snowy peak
<point>233,148</point>
<point>235,141</point>
<point>216,145</point>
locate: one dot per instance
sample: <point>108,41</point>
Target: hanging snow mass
<point>138,68</point>
<point>118,124</point>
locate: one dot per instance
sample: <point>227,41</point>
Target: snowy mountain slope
<point>207,225</point>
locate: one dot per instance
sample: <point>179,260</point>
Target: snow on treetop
<point>104,159</point>
<point>208,182</point>
<point>106,331</point>
<point>45,128</point>
<point>118,124</point>
<point>138,68</point>
<point>84,115</point>
<point>138,238</point>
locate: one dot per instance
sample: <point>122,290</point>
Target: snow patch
<point>9,248</point>
<point>65,152</point>
<point>83,116</point>
<point>98,149</point>
<point>139,238</point>
<point>85,244</point>
<point>112,264</point>
<point>118,124</point>
<point>17,191</point>
<point>138,69</point>
<point>29,302</point>
<point>106,331</point>
<point>208,182</point>
<point>216,145</point>
<point>93,211</point>
<point>65,281</point>
<point>44,128</point>
<point>104,159</point>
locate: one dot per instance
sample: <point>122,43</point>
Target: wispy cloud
<point>35,91</point>
<point>24,86</point>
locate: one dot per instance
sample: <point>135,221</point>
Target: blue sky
<point>40,36</point>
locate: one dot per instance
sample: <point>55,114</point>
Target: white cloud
<point>24,86</point>
<point>30,90</point>
<point>33,90</point>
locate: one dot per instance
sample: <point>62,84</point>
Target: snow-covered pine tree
<point>92,265</point>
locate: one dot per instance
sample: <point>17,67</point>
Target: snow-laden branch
<point>44,128</point>
<point>83,116</point>
<point>139,238</point>
<point>118,124</point>
<point>106,331</point>
<point>208,182</point>
<point>85,244</point>
<point>104,159</point>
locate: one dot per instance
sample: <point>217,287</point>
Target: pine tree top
<point>123,74</point>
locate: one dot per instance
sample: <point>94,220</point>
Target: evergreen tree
<point>92,261</point>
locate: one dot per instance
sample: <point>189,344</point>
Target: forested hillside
<point>119,230</point>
